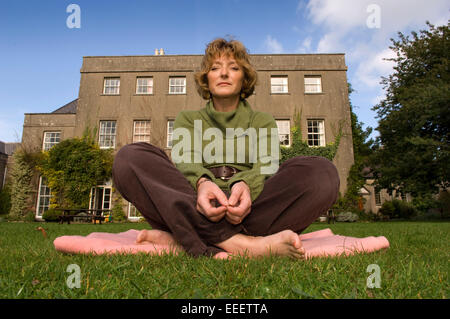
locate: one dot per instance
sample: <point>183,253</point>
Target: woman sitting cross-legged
<point>223,192</point>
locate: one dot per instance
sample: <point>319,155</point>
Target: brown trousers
<point>302,189</point>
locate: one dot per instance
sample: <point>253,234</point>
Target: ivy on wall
<point>22,173</point>
<point>72,168</point>
<point>299,147</point>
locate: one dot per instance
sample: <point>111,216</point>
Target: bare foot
<point>222,255</point>
<point>158,237</point>
<point>284,243</point>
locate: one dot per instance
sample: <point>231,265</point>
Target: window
<point>316,133</point>
<point>133,212</point>
<point>107,134</point>
<point>43,197</point>
<point>100,197</point>
<point>141,131</point>
<point>278,84</point>
<point>50,139</point>
<point>377,197</point>
<point>313,84</point>
<point>169,133</point>
<point>144,85</point>
<point>177,85</point>
<point>284,129</point>
<point>111,86</point>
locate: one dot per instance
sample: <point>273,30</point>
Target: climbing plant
<point>299,147</point>
<point>73,167</point>
<point>22,172</point>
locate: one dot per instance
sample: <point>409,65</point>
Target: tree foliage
<point>72,168</point>
<point>413,149</point>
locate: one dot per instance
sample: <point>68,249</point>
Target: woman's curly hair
<point>235,49</point>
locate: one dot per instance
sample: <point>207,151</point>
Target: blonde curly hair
<point>235,49</point>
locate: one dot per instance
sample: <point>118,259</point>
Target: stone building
<point>6,152</point>
<point>136,98</point>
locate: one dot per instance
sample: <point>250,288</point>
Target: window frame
<point>136,140</point>
<point>312,84</point>
<point>282,85</point>
<point>321,135</point>
<point>114,135</point>
<point>177,86</point>
<point>145,86</point>
<point>136,217</point>
<point>289,131</point>
<point>169,133</point>
<point>105,79</point>
<point>377,196</point>
<point>42,183</point>
<point>44,143</point>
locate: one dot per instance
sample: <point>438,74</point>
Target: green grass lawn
<point>415,266</point>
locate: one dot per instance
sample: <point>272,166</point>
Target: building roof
<point>69,108</point>
<point>8,148</point>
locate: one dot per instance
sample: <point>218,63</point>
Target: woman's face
<point>225,77</point>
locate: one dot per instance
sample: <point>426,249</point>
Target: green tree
<point>72,168</point>
<point>413,148</point>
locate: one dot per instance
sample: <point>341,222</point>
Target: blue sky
<point>41,57</point>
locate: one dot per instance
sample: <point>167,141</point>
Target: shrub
<point>118,215</point>
<point>51,215</point>
<point>397,209</point>
<point>387,209</point>
<point>444,204</point>
<point>73,167</point>
<point>21,175</point>
<point>5,200</point>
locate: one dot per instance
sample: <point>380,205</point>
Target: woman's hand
<point>208,191</point>
<point>240,193</point>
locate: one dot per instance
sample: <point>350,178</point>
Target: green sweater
<point>202,139</point>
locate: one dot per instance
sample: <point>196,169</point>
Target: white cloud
<point>305,46</point>
<point>272,45</point>
<point>344,15</point>
<point>369,72</point>
<point>342,27</point>
<point>345,29</point>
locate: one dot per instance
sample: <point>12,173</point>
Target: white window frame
<point>132,208</point>
<point>104,135</point>
<point>313,84</point>
<point>111,86</point>
<point>174,85</point>
<point>106,197</point>
<point>170,124</point>
<point>284,131</point>
<point>144,85</point>
<point>279,84</point>
<point>377,195</point>
<point>141,133</point>
<point>318,135</point>
<point>47,142</point>
<point>45,206</point>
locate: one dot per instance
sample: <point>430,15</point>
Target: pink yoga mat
<point>321,243</point>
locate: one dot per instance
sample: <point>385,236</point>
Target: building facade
<point>130,99</point>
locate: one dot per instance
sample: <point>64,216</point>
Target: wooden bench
<point>95,215</point>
